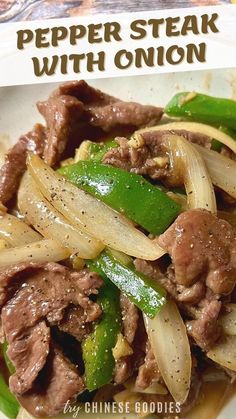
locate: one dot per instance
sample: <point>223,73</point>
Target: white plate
<point>18,114</point>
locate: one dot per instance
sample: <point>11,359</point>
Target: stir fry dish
<point>118,256</point>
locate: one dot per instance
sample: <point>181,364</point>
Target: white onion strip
<point>196,127</point>
<point>227,320</point>
<point>188,163</point>
<point>51,224</point>
<point>221,169</point>
<point>16,232</point>
<point>42,251</point>
<point>91,215</point>
<point>170,345</point>
<point>224,353</point>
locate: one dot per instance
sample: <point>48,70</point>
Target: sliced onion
<point>196,127</point>
<point>42,251</point>
<point>154,388</point>
<point>170,345</point>
<point>51,224</point>
<point>222,170</point>
<point>210,401</point>
<point>228,320</point>
<point>3,244</point>
<point>91,215</point>
<point>224,353</point>
<point>190,166</point>
<point>16,232</point>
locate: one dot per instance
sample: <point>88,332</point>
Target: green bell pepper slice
<point>98,150</point>
<point>143,291</point>
<point>203,108</point>
<point>97,347</point>
<point>125,192</point>
<point>8,404</point>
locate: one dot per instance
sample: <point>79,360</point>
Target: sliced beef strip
<point>15,161</point>
<point>63,115</point>
<point>74,322</point>
<point>189,295</point>
<point>195,301</point>
<point>205,330</point>
<point>106,111</point>
<point>199,243</point>
<point>124,369</point>
<point>148,372</point>
<point>44,294</point>
<point>126,366</point>
<point>130,318</point>
<point>141,160</point>
<point>76,103</point>
<point>11,276</point>
<point>57,383</point>
<point>29,353</point>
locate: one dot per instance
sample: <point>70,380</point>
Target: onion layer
<point>210,402</point>
<point>42,251</point>
<point>51,224</point>
<point>170,344</point>
<point>91,215</point>
<point>198,128</point>
<point>224,353</point>
<point>228,320</point>
<point>222,170</point>
<point>187,163</point>
<point>16,232</point>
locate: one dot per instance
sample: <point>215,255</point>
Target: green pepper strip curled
<point>97,347</point>
<point>125,192</point>
<point>203,108</point>
<point>8,404</point>
<point>144,292</point>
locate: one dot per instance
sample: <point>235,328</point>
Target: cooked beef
<point>57,383</point>
<point>128,365</point>
<point>199,244</point>
<point>29,354</point>
<point>15,161</point>
<point>45,292</point>
<point>130,318</point>
<point>142,160</point>
<point>70,113</point>
<point>203,270</point>
<point>124,369</point>
<point>11,276</point>
<point>74,322</point>
<point>192,294</point>
<point>148,372</point>
<point>124,113</point>
<point>63,115</point>
<point>76,103</point>
<point>106,111</point>
<point>206,330</point>
<point>188,295</point>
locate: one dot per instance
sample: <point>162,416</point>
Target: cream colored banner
<point>99,46</point>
